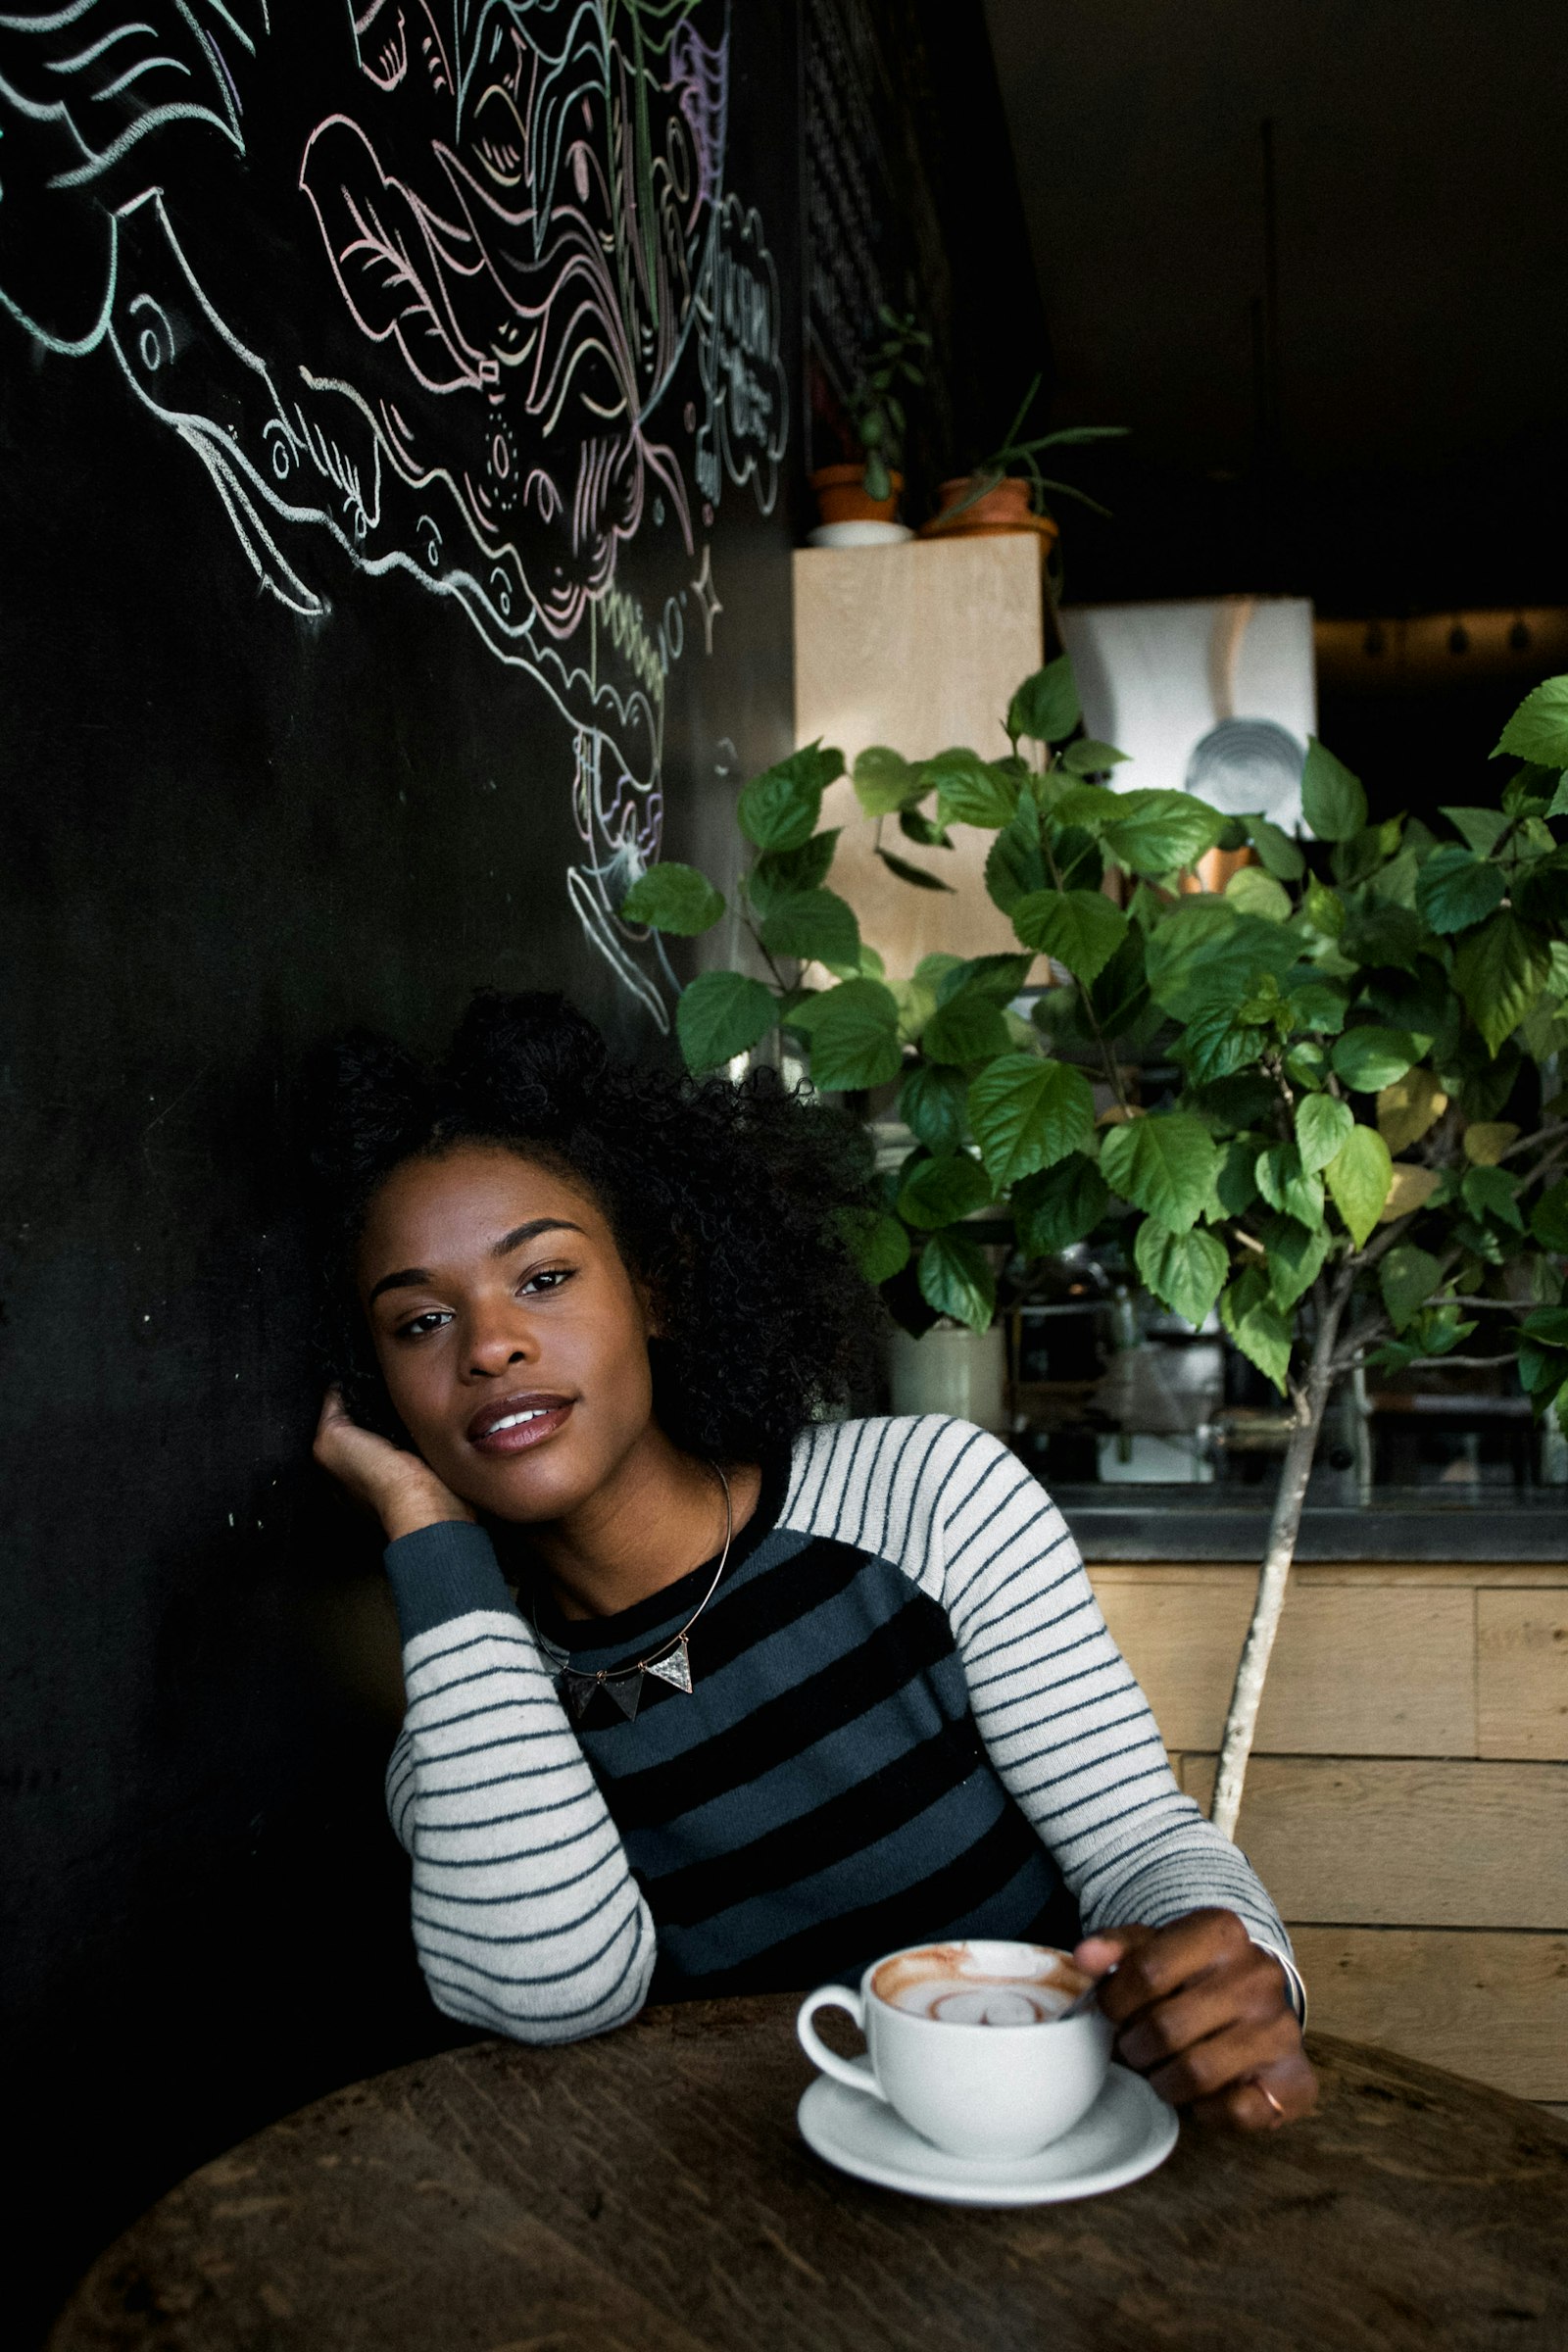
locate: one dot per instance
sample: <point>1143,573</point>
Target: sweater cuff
<point>444,1571</point>
<point>1294,1983</point>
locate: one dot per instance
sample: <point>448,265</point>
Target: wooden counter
<point>1407,1800</point>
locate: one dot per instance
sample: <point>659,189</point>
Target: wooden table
<point>648,2193</point>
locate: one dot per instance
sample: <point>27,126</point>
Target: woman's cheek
<point>410,1385</point>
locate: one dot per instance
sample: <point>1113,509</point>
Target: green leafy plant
<point>1019,454</point>
<point>1327,1102</point>
<point>875,410</point>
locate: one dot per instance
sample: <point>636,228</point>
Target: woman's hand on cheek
<point>1205,2014</point>
<point>402,1491</point>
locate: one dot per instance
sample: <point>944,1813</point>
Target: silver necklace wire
<point>670,1661</point>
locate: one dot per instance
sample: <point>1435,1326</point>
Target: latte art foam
<point>986,1985</point>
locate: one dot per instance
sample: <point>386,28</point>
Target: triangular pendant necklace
<point>675,1668</point>
<point>625,1684</point>
<point>625,1691</point>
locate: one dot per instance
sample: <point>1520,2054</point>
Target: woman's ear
<point>653,1311</point>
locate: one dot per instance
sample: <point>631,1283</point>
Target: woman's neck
<point>662,1514</point>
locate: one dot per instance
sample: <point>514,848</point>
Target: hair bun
<point>534,1050</point>
<point>362,1096</point>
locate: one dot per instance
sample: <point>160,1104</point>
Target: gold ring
<point>1269,2095</point>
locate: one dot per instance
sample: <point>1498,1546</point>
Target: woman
<point>782,1692</point>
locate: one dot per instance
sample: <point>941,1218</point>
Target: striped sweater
<point>908,1723</point>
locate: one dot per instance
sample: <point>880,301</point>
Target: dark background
<point>229,832</point>
<point>1391,441</point>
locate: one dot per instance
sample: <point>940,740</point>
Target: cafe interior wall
<point>1376,419</point>
<point>282,758</point>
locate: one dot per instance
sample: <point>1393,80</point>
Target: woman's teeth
<point>516,1420</point>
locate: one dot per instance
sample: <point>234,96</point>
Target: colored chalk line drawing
<point>522,208</point>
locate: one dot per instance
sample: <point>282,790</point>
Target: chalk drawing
<point>547,328</point>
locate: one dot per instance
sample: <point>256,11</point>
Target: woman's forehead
<point>463,1200</point>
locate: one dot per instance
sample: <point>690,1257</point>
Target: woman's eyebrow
<point>409,1278</point>
<point>530,1232</point>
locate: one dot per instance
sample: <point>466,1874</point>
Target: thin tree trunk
<point>1240,1723</point>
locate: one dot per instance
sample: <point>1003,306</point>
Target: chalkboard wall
<point>400,450</point>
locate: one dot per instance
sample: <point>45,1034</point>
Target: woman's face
<point>513,1338</point>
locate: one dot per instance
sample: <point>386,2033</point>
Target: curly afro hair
<point>729,1201</point>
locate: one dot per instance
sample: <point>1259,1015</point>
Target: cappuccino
<point>988,2095</point>
<point>994,1985</point>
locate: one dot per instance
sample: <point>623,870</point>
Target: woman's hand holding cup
<point>1205,2014</point>
<point>402,1492</point>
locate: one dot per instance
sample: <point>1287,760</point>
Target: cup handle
<point>856,2075</point>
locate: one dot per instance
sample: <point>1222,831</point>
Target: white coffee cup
<point>980,2064</point>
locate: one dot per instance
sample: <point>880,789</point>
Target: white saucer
<point>1127,2132</point>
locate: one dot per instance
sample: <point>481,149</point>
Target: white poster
<point>1215,695</point>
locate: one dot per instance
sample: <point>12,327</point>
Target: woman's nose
<point>497,1341</point>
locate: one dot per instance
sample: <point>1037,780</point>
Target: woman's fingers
<point>1249,1988</point>
<point>357,1456</point>
<point>1205,2015</point>
<point>397,1486</point>
<point>1204,2069</point>
<point>1157,1960</point>
<point>333,1410</point>
<point>1290,2089</point>
<point>339,1440</point>
<point>1098,1955</point>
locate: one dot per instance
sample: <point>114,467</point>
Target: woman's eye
<point>417,1325</point>
<point>548,1278</point>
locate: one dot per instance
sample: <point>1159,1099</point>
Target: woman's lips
<point>517,1423</point>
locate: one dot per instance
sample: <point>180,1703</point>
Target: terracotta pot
<point>1215,868</point>
<point>842,497</point>
<point>1004,507</point>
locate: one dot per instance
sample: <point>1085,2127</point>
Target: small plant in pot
<point>1359,1148</point>
<point>1007,490</point>
<point>868,491</point>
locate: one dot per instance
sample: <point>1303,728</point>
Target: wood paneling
<point>1370,1841</point>
<point>1373,1671</point>
<point>1406,1575</point>
<point>1522,1673</point>
<point>919,647</point>
<point>1407,1797</point>
<point>1494,2006</point>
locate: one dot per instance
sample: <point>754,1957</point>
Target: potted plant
<point>1357,1147</point>
<point>869,490</point>
<point>1007,490</point>
<point>945,1036</point>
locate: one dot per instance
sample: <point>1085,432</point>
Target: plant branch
<point>1112,1073</point>
<point>1368,1255</point>
<point>1548,1167</point>
<point>1354,1354</point>
<point>1311,1403</point>
<point>783,985</point>
<point>1461,1364</point>
<point>1528,1143</point>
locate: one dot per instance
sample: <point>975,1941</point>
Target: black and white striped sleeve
<point>526,1918</point>
<point>1061,1714</point>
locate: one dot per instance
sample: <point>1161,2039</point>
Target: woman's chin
<point>526,1487</point>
